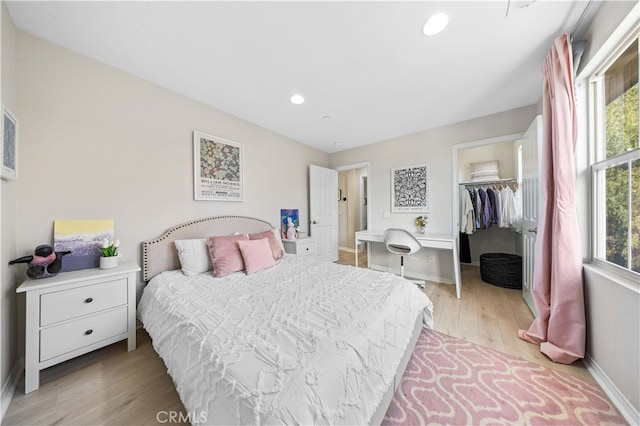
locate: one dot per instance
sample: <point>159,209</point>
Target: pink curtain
<point>557,283</point>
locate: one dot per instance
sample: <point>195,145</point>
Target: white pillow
<point>194,256</point>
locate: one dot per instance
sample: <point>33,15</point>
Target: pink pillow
<point>257,255</point>
<point>225,255</point>
<point>274,242</point>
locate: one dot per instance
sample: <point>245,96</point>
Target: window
<point>616,169</point>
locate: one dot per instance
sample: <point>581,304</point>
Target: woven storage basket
<point>501,269</point>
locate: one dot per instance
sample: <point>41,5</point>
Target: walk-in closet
<point>489,200</point>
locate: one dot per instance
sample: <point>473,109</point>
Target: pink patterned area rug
<point>450,381</point>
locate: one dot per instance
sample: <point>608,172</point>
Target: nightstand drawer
<point>307,248</point>
<point>68,304</point>
<point>74,335</point>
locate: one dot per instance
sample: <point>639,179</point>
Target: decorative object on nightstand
<point>304,246</point>
<point>84,239</point>
<point>110,254</point>
<point>75,313</point>
<point>289,223</point>
<point>43,263</point>
<point>421,223</point>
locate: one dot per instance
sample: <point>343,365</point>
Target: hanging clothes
<point>517,200</point>
<point>479,210</point>
<point>466,212</point>
<point>486,209</point>
<point>472,195</point>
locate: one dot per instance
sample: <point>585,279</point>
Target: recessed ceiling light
<point>337,143</point>
<point>297,99</point>
<point>435,24</point>
<point>326,117</point>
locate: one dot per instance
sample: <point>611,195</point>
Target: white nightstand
<point>77,312</point>
<point>305,246</point>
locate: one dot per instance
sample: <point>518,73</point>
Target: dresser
<point>77,312</point>
<point>305,246</point>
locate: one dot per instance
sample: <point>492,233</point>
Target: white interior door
<point>531,196</point>
<point>323,214</point>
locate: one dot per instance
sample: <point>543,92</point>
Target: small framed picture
<point>217,168</point>
<point>9,145</point>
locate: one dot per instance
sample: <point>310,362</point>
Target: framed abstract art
<point>410,189</point>
<point>217,168</point>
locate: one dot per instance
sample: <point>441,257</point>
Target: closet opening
<point>488,171</point>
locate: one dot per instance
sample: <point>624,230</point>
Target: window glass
<point>621,103</point>
<point>616,171</point>
<point>617,232</point>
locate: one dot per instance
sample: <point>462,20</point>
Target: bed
<point>299,342</point>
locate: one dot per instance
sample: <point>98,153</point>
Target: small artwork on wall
<point>289,223</point>
<point>217,168</point>
<point>9,145</point>
<point>84,239</point>
<point>410,189</point>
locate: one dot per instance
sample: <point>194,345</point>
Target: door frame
<point>366,164</point>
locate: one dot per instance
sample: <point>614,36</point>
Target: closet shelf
<point>489,182</point>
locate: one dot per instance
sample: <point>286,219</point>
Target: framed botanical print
<point>217,168</point>
<point>9,145</point>
<point>410,189</point>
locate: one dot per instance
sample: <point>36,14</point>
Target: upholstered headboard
<point>160,254</point>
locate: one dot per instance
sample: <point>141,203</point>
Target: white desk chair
<point>401,242</point>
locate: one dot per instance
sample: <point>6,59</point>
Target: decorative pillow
<point>274,242</point>
<point>194,256</point>
<point>225,254</point>
<point>257,255</point>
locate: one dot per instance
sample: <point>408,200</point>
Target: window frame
<point>598,164</point>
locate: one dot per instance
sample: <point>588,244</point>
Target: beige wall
<point>8,309</point>
<point>100,143</point>
<point>96,143</point>
<point>435,147</point>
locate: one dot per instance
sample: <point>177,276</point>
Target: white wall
<point>434,147</point>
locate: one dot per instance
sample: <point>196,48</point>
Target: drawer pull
<point>88,300</point>
<point>88,332</point>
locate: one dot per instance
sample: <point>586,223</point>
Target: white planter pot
<point>109,262</point>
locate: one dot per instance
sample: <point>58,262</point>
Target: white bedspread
<point>305,342</point>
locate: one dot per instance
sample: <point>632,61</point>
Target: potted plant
<point>421,222</point>
<point>110,254</point>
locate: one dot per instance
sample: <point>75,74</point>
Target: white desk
<point>437,241</point>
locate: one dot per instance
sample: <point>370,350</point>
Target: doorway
<point>353,206</point>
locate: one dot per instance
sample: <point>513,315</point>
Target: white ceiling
<point>366,65</point>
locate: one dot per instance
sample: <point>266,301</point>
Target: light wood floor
<point>116,387</point>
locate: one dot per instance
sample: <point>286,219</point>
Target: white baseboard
<point>412,274</point>
<point>628,411</point>
<point>9,387</point>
